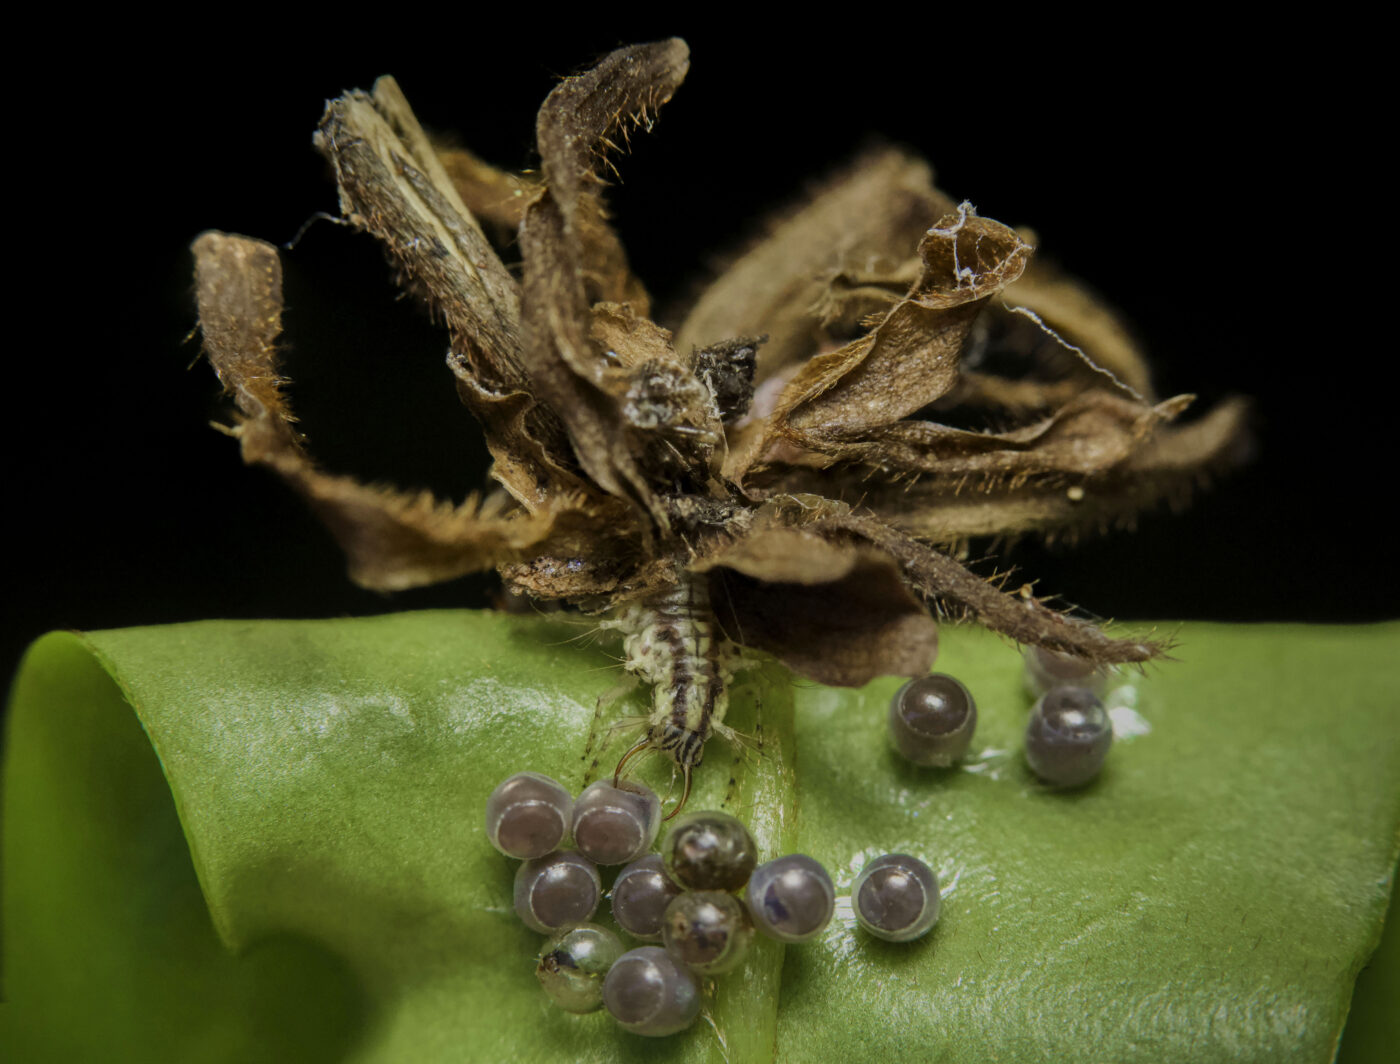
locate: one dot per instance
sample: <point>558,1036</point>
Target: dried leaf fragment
<point>909,359</point>
<point>392,540</point>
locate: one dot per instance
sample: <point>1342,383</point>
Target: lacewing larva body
<point>672,642</point>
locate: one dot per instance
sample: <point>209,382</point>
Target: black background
<point>1194,177</point>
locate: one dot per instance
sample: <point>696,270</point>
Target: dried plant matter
<point>878,381</point>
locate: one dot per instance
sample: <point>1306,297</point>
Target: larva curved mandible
<point>672,642</point>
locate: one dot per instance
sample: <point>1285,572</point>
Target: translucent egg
<point>895,897</point>
<point>1046,670</point>
<point>709,931</point>
<point>709,851</point>
<point>932,719</point>
<point>614,825</point>
<point>1068,736</point>
<point>648,993</point>
<point>528,815</point>
<point>640,895</point>
<point>791,899</point>
<point>574,963</point>
<point>555,891</point>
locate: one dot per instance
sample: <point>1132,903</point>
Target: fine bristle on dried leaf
<point>950,584</point>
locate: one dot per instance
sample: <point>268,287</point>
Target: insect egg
<point>709,851</point>
<point>528,815</point>
<point>614,825</point>
<point>647,992</point>
<point>708,931</point>
<point>1068,736</point>
<point>932,719</point>
<point>640,895</point>
<point>896,898</point>
<point>555,891</point>
<point>791,899</point>
<point>573,965</point>
<point>1046,670</point>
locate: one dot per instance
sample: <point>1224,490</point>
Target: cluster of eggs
<point>932,719</point>
<point>686,898</point>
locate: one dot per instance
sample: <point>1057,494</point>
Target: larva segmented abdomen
<point>671,642</point>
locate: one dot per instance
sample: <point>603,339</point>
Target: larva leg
<point>735,663</point>
<point>596,729</point>
<point>741,741</point>
<point>733,787</point>
<point>617,692</point>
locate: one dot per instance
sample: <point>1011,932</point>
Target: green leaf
<point>1213,896</point>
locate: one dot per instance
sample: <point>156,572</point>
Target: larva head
<point>684,746</point>
<point>687,749</point>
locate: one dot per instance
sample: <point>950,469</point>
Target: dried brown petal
<point>962,592</point>
<point>833,404</point>
<point>1169,466</point>
<point>575,131</point>
<point>393,186</point>
<point>991,395</point>
<point>562,363</point>
<point>845,630</point>
<point>406,201</point>
<point>910,358</point>
<point>392,540</point>
<point>494,196</point>
<point>1092,433</point>
<point>784,556</point>
<point>532,457</point>
<point>874,212</point>
<point>628,340</point>
<point>607,275</point>
<point>563,265</point>
<point>836,613</point>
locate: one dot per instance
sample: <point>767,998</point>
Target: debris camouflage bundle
<point>883,378</point>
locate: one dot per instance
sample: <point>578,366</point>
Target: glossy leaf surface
<point>1212,896</point>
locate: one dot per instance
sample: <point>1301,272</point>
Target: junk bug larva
<point>672,643</point>
<point>634,462</point>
